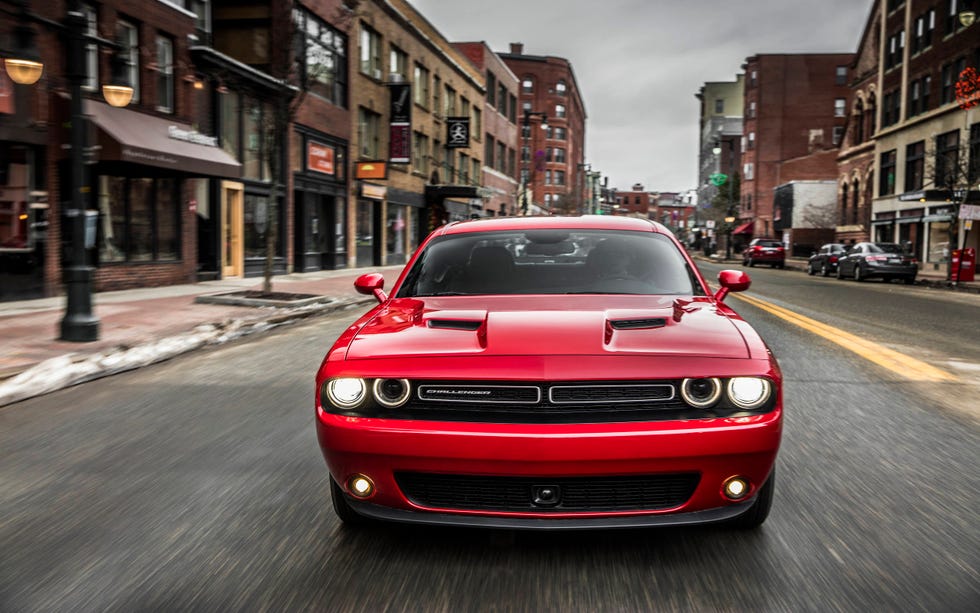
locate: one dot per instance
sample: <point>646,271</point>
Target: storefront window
<point>230,123</point>
<point>140,219</point>
<point>397,233</point>
<point>252,160</point>
<point>257,217</point>
<point>340,223</point>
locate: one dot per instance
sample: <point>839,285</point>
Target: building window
<point>370,53</point>
<point>477,128</point>
<point>449,102</point>
<point>838,135</point>
<point>953,24</point>
<point>436,94</point>
<point>511,162</point>
<point>421,89</point>
<point>973,169</point>
<point>547,177</point>
<point>922,32</point>
<point>202,16</point>
<point>368,134</point>
<point>840,107</point>
<point>948,160</point>
<point>91,81</point>
<point>890,109</point>
<point>843,204</point>
<point>165,75</point>
<point>841,75</point>
<point>752,109</point>
<point>527,85</point>
<point>918,102</point>
<point>560,156</point>
<point>398,63</point>
<point>488,149</point>
<point>127,35</point>
<point>324,50</point>
<point>255,161</point>
<point>886,185</point>
<point>719,106</point>
<point>749,171</point>
<point>561,88</point>
<point>751,141</point>
<point>512,108</point>
<point>754,78</point>
<point>560,111</point>
<point>950,74</point>
<point>894,49</point>
<point>492,89</point>
<point>915,155</point>
<point>140,219</point>
<point>420,152</point>
<point>501,157</point>
<point>560,134</point>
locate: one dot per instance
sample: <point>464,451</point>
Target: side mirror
<point>371,284</point>
<point>732,281</point>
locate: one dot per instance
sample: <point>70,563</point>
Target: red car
<point>551,372</point>
<point>764,251</point>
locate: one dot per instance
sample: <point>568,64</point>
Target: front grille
<point>449,392</point>
<point>570,394</point>
<point>576,494</point>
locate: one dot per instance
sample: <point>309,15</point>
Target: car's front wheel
<point>857,273</point>
<point>810,270</point>
<point>823,270</point>
<point>840,271</point>
<point>756,515</point>
<point>340,506</point>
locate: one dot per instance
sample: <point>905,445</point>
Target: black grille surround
<point>560,402</point>
<point>575,494</point>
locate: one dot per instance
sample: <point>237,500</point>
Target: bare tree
<point>950,168</point>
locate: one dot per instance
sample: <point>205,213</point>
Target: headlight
<point>392,393</point>
<point>346,393</point>
<point>701,393</point>
<point>749,392</point>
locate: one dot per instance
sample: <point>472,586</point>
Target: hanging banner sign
<point>457,132</point>
<point>400,123</point>
<point>319,157</point>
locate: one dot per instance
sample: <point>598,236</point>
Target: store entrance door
<point>232,229</point>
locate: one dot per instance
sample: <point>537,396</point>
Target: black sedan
<point>825,260</point>
<point>886,261</point>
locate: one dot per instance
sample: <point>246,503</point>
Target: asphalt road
<point>197,485</point>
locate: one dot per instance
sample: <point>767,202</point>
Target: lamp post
<point>24,66</point>
<point>526,136</point>
<point>730,215</point>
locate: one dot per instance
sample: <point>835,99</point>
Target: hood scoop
<point>455,324</point>
<point>638,324</point>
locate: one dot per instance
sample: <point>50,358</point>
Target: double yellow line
<point>899,363</point>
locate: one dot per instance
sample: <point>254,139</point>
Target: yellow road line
<point>899,363</point>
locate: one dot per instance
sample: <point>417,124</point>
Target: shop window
<point>324,49</point>
<point>258,223</point>
<point>139,219</point>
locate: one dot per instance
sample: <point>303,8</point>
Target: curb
<point>72,369</point>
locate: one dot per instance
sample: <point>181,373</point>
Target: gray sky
<point>639,63</point>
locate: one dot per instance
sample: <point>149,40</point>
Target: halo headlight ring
<point>383,392</point>
<point>346,392</point>
<point>701,393</point>
<point>749,392</point>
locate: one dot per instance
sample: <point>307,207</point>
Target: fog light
<point>360,486</point>
<point>736,488</point>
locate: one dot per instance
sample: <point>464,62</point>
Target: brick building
<point>552,159</point>
<point>500,178</point>
<point>795,107</point>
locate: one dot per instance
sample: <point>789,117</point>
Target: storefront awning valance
<point>129,136</point>
<point>745,228</point>
<point>937,218</point>
<point>882,222</point>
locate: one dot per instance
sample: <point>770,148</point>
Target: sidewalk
<point>143,326</point>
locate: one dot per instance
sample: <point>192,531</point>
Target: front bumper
<point>714,449</point>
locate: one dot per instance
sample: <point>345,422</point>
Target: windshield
<point>550,262</point>
<point>885,248</point>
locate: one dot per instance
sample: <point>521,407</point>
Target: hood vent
<point>638,324</point>
<point>455,324</point>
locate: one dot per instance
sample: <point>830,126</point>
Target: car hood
<point>502,326</point>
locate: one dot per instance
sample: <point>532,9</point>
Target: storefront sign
<point>192,136</point>
<point>319,157</point>
<point>371,170</point>
<point>457,132</point>
<point>969,211</point>
<point>373,192</point>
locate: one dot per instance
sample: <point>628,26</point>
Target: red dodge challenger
<point>553,373</point>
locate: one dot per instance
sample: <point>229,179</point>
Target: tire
<point>809,269</point>
<point>780,266</point>
<point>824,271</point>
<point>857,273</point>
<point>751,263</point>
<point>840,271</point>
<point>342,509</point>
<point>756,515</point>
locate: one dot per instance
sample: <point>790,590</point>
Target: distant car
<point>590,379</point>
<point>825,260</point>
<point>764,251</point>
<point>886,261</point>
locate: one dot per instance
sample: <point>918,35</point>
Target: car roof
<point>582,222</point>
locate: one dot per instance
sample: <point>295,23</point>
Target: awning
<point>745,228</point>
<point>939,217</point>
<point>882,222</point>
<point>125,135</point>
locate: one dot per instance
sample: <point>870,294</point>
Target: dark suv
<point>764,251</point>
<point>825,260</point>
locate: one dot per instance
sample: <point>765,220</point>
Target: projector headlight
<point>701,393</point>
<point>346,392</point>
<point>749,392</point>
<point>392,393</point>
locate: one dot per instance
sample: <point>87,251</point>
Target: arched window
<point>855,195</point>
<point>843,205</point>
<point>561,87</point>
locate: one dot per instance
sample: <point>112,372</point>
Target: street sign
<point>718,179</point>
<point>969,211</point>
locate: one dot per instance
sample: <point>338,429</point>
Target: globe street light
<point>24,66</point>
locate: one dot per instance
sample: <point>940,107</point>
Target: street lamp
<point>24,66</point>
<point>730,216</point>
<point>966,15</point>
<point>526,136</point>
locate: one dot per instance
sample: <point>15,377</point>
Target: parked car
<point>496,387</point>
<point>825,260</point>
<point>886,261</point>
<point>764,251</point>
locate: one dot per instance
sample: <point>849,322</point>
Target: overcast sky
<point>639,63</point>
